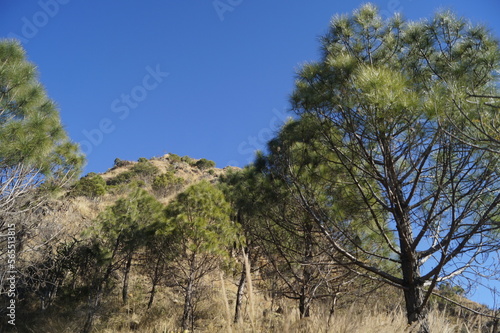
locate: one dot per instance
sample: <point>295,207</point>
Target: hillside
<point>74,258</point>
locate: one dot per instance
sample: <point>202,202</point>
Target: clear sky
<point>200,78</point>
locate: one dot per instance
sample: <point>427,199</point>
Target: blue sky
<point>200,78</point>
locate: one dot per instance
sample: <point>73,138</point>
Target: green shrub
<point>90,186</point>
<point>174,157</point>
<point>203,164</point>
<point>450,291</point>
<point>146,169</point>
<point>166,183</point>
<point>187,159</point>
<point>142,160</point>
<point>120,163</point>
<point>122,178</point>
<point>138,183</point>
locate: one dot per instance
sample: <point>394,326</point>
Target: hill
<point>74,268</point>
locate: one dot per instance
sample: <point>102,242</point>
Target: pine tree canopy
<point>34,147</point>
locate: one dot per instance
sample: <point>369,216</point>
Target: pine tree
<point>36,156</point>
<point>389,99</point>
<point>34,146</point>
<point>120,231</point>
<point>204,232</point>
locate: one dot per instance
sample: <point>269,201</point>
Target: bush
<point>124,177</point>
<point>203,164</point>
<point>90,186</point>
<point>187,159</point>
<point>174,157</point>
<point>450,291</point>
<point>166,183</point>
<point>142,160</point>
<point>146,169</point>
<point>120,163</point>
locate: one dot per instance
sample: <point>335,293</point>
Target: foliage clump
<point>187,160</point>
<point>90,186</point>
<point>142,170</point>
<point>174,158</point>
<point>203,164</point>
<point>145,168</point>
<point>121,163</point>
<point>451,291</point>
<point>121,178</point>
<point>167,183</point>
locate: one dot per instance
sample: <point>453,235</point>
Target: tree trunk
<point>188,298</point>
<point>126,279</point>
<point>413,292</point>
<point>187,315</point>
<point>93,306</point>
<point>412,284</point>
<point>415,312</point>
<point>332,310</point>
<point>152,296</point>
<point>494,328</point>
<point>155,280</point>
<point>239,295</point>
<point>304,304</point>
<point>305,296</point>
<point>100,283</point>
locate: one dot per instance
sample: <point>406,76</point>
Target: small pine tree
<point>167,183</point>
<point>145,169</point>
<point>200,218</point>
<point>91,186</point>
<point>174,158</point>
<point>120,163</point>
<point>203,164</point>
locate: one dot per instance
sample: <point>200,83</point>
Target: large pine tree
<point>36,155</point>
<point>394,102</point>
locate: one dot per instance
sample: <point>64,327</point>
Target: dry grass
<point>215,311</point>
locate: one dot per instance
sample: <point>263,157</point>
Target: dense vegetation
<point>383,191</point>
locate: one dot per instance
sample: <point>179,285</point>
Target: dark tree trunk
<point>413,300</point>
<point>413,289</point>
<point>415,310</point>
<point>304,304</point>
<point>126,279</point>
<point>152,296</point>
<point>99,287</point>
<point>93,306</point>
<point>155,281</point>
<point>412,284</point>
<point>239,295</point>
